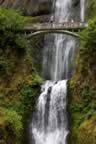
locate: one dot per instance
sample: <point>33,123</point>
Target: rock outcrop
<point>29,7</point>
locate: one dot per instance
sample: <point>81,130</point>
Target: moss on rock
<point>87,131</point>
<point>91,9</point>
<point>82,90</point>
<point>19,81</point>
<point>28,7</point>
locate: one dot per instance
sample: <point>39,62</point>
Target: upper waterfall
<point>58,60</point>
<point>63,11</point>
<point>82,14</point>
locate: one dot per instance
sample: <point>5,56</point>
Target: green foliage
<point>88,47</point>
<point>23,98</point>
<point>29,94</point>
<point>10,124</point>
<point>10,19</point>
<point>91,12</point>
<point>12,43</point>
<point>13,119</point>
<point>19,82</point>
<point>89,39</point>
<point>82,87</point>
<point>10,23</point>
<point>19,104</point>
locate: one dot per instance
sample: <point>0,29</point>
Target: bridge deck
<point>56,26</point>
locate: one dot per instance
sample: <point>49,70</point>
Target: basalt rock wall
<point>29,7</point>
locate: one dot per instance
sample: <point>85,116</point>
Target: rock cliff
<point>29,7</point>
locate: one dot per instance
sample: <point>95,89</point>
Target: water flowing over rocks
<point>49,124</point>
<point>50,121</point>
<point>58,59</point>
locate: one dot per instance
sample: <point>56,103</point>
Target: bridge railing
<point>65,25</point>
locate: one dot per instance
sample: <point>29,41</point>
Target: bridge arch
<point>34,34</point>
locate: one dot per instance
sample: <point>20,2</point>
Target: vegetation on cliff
<point>19,81</point>
<point>29,7</point>
<point>91,9</point>
<point>82,90</point>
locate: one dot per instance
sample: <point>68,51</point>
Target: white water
<point>50,122</point>
<point>82,14</point>
<point>58,60</point>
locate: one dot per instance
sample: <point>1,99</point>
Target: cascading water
<point>58,60</point>
<point>49,125</point>
<point>50,122</point>
<point>82,5</point>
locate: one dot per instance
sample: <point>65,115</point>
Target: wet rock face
<point>29,7</point>
<point>76,3</point>
<point>76,9</point>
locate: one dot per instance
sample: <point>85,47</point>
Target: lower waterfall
<point>50,124</point>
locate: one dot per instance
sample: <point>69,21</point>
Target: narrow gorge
<point>48,71</point>
<point>50,120</point>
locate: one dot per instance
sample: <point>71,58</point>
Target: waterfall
<point>58,61</point>
<point>50,122</point>
<point>82,5</point>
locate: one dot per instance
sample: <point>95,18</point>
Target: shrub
<point>10,124</point>
<point>12,43</point>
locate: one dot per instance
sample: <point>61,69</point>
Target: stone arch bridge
<point>68,28</point>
